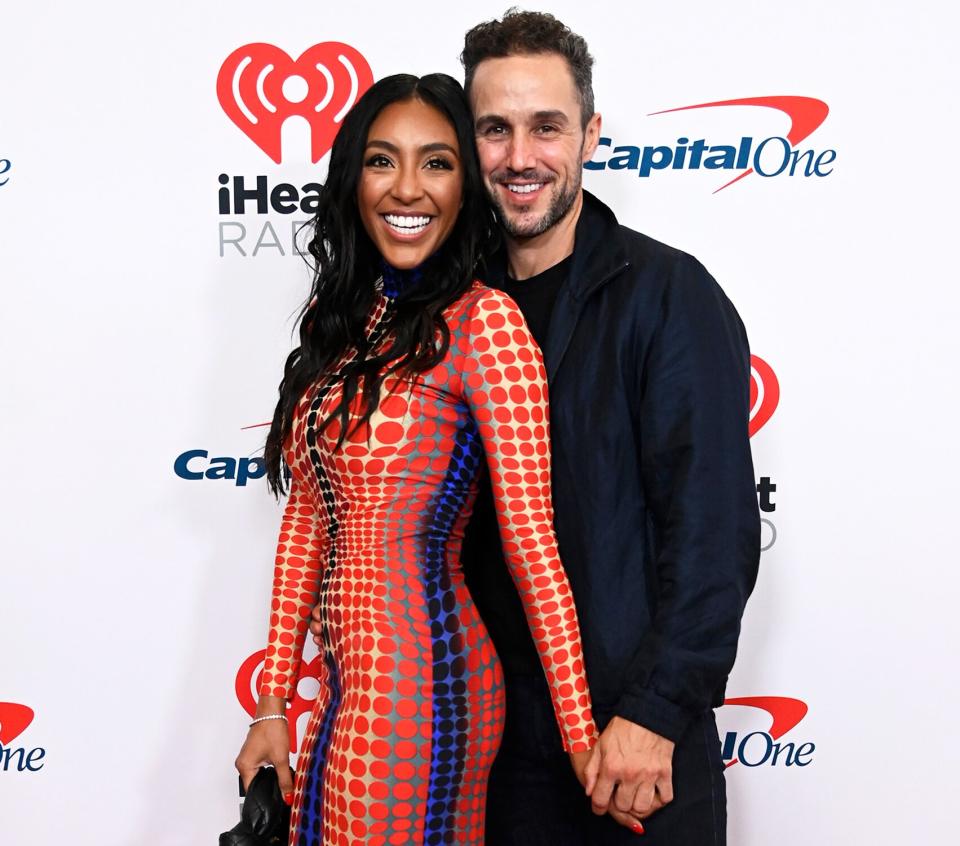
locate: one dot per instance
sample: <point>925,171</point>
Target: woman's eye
<point>377,160</point>
<point>439,164</point>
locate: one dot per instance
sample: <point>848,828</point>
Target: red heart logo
<point>14,719</point>
<point>248,681</point>
<point>764,393</point>
<point>259,86</point>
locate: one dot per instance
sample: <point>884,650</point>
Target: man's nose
<point>520,156</point>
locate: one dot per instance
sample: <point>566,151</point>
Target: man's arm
<point>693,391</point>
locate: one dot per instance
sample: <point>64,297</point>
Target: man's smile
<point>524,189</point>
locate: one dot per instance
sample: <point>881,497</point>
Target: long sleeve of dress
<point>504,384</point>
<point>296,584</point>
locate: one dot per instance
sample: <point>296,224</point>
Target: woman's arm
<point>504,383</point>
<point>296,583</point>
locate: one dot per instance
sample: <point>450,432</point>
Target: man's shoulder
<point>643,257</point>
<point>669,283</point>
<point>646,252</point>
<point>660,269</point>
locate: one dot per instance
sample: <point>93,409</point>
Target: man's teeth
<point>406,223</point>
<point>525,189</point>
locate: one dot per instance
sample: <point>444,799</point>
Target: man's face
<point>529,136</point>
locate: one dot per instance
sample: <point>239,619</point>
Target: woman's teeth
<point>406,224</point>
<point>525,189</point>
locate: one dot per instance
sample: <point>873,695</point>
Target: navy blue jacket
<point>654,494</point>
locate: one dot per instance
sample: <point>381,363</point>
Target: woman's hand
<point>267,743</point>
<point>579,761</point>
<point>586,765</point>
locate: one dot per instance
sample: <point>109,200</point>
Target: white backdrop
<point>132,595</point>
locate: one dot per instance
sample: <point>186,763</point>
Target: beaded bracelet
<point>268,717</point>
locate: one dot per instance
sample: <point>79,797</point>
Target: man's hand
<point>580,761</point>
<point>633,769</point>
<point>316,626</point>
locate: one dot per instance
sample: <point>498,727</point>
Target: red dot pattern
<point>352,537</point>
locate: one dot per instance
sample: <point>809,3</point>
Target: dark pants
<point>534,799</point>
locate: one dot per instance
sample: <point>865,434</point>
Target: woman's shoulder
<point>479,302</point>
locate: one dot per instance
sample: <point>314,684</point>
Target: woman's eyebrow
<point>434,147</point>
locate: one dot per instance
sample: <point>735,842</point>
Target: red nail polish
<point>288,798</point>
<point>637,828</point>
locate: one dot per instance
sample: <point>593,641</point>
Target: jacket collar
<point>598,255</point>
<point>598,252</point>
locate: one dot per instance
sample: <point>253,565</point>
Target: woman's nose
<point>407,186</point>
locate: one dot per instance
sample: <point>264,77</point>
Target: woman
<point>407,373</point>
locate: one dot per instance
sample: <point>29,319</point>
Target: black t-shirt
<point>536,296</point>
<point>485,571</point>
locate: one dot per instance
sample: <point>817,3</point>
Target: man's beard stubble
<point>560,204</point>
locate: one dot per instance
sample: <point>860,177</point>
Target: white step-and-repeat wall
<point>804,152</point>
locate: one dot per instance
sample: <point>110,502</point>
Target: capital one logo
<point>774,717</point>
<point>259,87</point>
<point>14,719</point>
<point>196,465</point>
<point>248,682</point>
<point>764,393</point>
<point>776,155</point>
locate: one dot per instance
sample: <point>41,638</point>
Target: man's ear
<point>591,136</point>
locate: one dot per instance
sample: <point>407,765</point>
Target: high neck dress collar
<point>396,281</point>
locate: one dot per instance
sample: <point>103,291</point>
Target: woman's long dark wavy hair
<point>347,266</point>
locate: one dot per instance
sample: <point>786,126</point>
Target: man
<point>654,498</point>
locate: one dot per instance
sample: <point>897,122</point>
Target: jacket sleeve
<point>693,395</point>
<point>505,386</point>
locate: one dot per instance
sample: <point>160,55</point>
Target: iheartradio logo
<point>259,86</point>
<point>764,393</point>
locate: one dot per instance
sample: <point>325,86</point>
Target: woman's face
<point>411,185</point>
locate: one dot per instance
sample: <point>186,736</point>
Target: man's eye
<point>547,129</point>
<point>495,130</point>
<point>377,160</point>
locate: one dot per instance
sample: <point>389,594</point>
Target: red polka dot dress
<point>411,703</point>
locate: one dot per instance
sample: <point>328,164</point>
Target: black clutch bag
<point>265,817</point>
